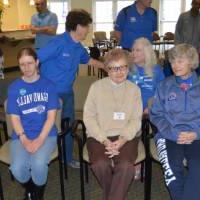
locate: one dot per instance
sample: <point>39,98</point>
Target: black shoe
<point>29,196</point>
<point>29,192</point>
<point>39,192</point>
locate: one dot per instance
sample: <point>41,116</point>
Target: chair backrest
<point>168,36</point>
<point>9,124</point>
<point>58,119</point>
<point>112,35</point>
<point>156,37</point>
<point>81,88</point>
<point>100,35</point>
<point>8,120</point>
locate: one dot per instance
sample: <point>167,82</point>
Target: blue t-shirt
<point>31,102</point>
<point>146,84</point>
<point>60,60</point>
<point>133,25</point>
<point>40,20</point>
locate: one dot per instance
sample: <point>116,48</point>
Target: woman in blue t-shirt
<point>32,105</point>
<point>146,73</point>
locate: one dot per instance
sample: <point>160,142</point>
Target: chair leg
<point>86,173</point>
<point>142,172</point>
<point>89,70</point>
<point>1,190</point>
<point>0,138</point>
<point>5,130</point>
<point>81,169</point>
<point>64,158</point>
<point>93,71</point>
<point>60,159</point>
<point>148,179</point>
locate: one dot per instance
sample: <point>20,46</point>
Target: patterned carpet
<point>14,191</point>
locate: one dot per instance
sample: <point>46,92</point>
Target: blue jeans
<point>68,111</point>
<point>25,165</point>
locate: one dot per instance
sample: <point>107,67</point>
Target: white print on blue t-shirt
<point>38,109</point>
<point>142,81</point>
<point>22,91</point>
<point>34,97</point>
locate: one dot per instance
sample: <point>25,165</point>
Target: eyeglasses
<point>121,68</point>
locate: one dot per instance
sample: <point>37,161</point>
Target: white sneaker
<point>74,164</point>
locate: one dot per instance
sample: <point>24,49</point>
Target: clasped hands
<point>32,145</point>
<point>112,148</point>
<point>186,137</point>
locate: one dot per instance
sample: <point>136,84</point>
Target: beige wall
<point>87,5</point>
<point>15,15</point>
<point>25,11</point>
<point>10,16</point>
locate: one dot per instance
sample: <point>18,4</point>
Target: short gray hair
<point>184,51</point>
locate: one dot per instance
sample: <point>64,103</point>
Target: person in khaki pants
<point>112,115</point>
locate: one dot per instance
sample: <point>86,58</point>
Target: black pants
<point>182,185</point>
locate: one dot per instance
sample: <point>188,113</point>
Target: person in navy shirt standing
<point>32,104</point>
<point>176,114</point>
<point>60,60</point>
<point>134,21</point>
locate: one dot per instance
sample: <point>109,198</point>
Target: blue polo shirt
<point>40,20</point>
<point>133,25</point>
<point>60,60</point>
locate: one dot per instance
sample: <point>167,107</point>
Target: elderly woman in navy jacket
<point>176,114</point>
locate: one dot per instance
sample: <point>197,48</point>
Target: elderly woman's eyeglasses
<point>121,68</point>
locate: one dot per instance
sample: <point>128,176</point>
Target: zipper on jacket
<point>185,100</point>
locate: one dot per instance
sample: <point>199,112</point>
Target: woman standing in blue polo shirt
<point>145,73</point>
<point>32,104</point>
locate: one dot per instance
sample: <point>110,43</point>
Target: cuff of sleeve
<point>127,137</point>
<point>198,134</point>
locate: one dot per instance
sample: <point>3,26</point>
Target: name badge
<point>119,116</point>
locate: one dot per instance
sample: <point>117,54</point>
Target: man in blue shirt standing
<point>60,60</point>
<point>43,24</point>
<point>134,21</point>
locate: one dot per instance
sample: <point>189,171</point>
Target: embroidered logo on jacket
<point>172,96</point>
<point>132,19</point>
